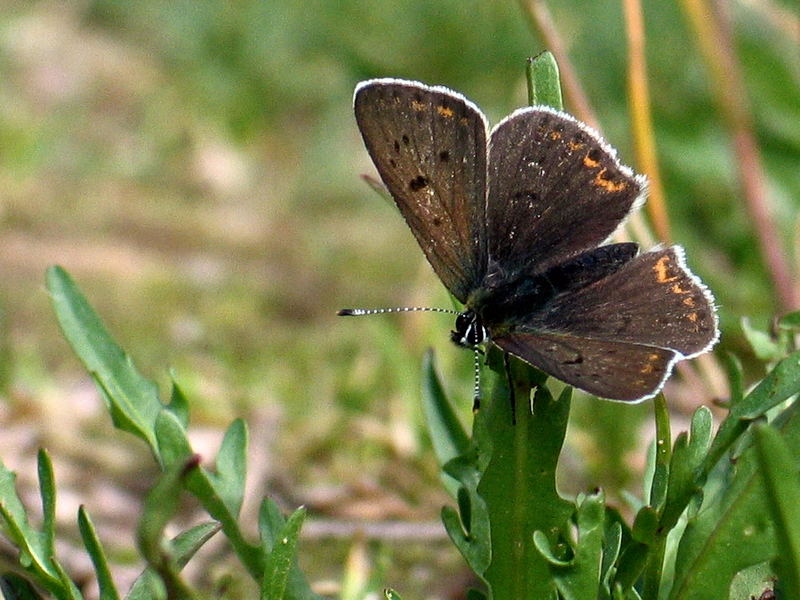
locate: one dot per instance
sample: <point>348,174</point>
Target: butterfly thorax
<point>508,301</point>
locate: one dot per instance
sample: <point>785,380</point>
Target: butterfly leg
<point>511,396</point>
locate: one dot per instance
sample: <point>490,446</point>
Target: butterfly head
<point>469,331</point>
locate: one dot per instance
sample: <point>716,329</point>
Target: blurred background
<point>195,165</point>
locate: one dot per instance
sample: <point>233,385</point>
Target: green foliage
<point>135,408</point>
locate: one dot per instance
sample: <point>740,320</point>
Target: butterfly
<point>514,220</point>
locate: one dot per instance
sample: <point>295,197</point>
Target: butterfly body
<point>513,221</point>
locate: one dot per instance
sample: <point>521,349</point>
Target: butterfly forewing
<point>555,190</point>
<point>429,146</point>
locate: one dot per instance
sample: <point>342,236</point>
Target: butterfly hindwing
<point>429,146</point>
<point>618,370</point>
<point>556,189</point>
<point>622,331</point>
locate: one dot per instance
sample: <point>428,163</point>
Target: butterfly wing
<point>619,336</point>
<point>615,370</point>
<point>556,189</point>
<point>429,146</point>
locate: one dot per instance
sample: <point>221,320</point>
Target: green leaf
<point>764,347</point>
<point>544,83</point>
<point>160,506</point>
<point>148,586</point>
<point>132,399</point>
<point>231,468</point>
<point>271,525</point>
<point>447,434</point>
<point>281,559</point>
<point>36,552</point>
<point>731,531</point>
<point>389,594</point>
<point>578,578</point>
<point>687,459</point>
<point>780,474</point>
<point>519,485</point>
<point>469,527</point>
<point>781,383</point>
<point>663,454</point>
<point>105,581</point>
<point>47,492</point>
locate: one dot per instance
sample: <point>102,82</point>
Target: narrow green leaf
<point>105,581</point>
<point>271,525</point>
<point>231,468</point>
<point>687,459</point>
<point>544,83</point>
<point>68,590</point>
<point>280,560</point>
<point>447,434</point>
<point>132,399</point>
<point>645,525</point>
<point>47,492</point>
<point>389,594</point>
<point>780,474</point>
<point>658,490</point>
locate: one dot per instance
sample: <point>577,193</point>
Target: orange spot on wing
<point>650,366</point>
<point>417,105</point>
<point>607,184</point>
<point>692,317</point>
<point>662,269</point>
<point>445,111</point>
<point>689,302</point>
<point>677,289</point>
<point>574,146</point>
<point>555,135</point>
<point>589,162</point>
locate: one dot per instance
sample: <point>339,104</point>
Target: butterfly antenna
<point>476,390</point>
<point>358,312</point>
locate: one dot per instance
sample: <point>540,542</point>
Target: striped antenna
<point>358,312</point>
